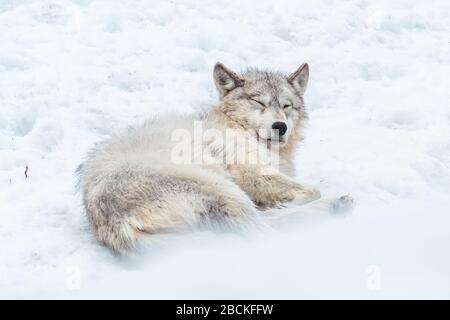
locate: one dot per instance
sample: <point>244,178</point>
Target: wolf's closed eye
<point>258,102</point>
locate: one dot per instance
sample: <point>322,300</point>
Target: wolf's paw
<point>306,195</point>
<point>342,204</point>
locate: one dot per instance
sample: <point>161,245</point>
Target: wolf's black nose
<point>281,127</point>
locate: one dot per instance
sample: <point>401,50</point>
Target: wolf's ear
<point>225,79</point>
<point>299,79</point>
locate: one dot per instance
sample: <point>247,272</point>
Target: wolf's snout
<point>280,128</point>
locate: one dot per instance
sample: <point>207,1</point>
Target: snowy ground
<point>74,72</point>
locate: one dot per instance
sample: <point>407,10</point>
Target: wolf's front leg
<point>267,186</point>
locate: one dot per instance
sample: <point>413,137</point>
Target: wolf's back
<point>131,187</point>
<point>120,180</point>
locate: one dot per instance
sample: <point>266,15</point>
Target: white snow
<point>74,72</point>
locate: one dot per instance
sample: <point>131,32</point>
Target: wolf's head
<point>269,103</point>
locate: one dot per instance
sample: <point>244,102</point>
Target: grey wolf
<point>132,186</point>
